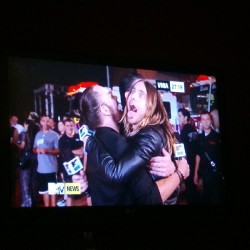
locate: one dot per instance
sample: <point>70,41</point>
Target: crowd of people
<point>130,159</point>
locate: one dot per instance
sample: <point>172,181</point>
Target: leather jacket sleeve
<point>145,145</point>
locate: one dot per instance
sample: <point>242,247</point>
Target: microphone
<point>85,131</point>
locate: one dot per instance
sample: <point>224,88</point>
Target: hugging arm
<point>167,185</point>
<point>136,157</point>
<point>162,166</point>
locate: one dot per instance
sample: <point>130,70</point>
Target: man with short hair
<point>68,142</point>
<point>46,148</point>
<point>208,162</point>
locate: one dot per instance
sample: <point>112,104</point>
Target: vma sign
<point>163,85</point>
<point>172,86</point>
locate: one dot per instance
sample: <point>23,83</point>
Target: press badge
<point>179,150</point>
<point>73,166</point>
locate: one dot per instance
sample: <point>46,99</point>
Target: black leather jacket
<point>147,143</point>
<point>139,190</point>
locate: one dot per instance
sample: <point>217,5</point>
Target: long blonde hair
<point>155,115</point>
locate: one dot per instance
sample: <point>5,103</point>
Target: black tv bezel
<point>95,218</point>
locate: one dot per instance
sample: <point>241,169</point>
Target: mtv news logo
<point>64,188</point>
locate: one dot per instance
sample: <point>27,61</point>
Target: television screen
<point>56,172</point>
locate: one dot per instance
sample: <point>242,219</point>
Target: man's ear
<point>126,95</point>
<point>104,109</point>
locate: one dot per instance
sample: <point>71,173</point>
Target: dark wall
<point>206,33</point>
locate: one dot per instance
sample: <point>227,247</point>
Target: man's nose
<point>114,96</point>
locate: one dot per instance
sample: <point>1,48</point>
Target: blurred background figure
<point>208,167</point>
<point>33,116</point>
<point>46,148</point>
<point>53,125</point>
<point>188,135</point>
<point>68,142</point>
<point>216,122</point>
<point>14,123</point>
<point>27,163</point>
<point>61,128</point>
<point>14,153</point>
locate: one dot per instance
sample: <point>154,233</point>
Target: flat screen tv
<point>51,84</point>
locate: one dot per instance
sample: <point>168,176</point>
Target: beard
<point>115,113</point>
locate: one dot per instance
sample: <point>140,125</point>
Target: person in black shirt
<point>208,162</point>
<point>34,119</point>
<point>188,137</point>
<point>68,142</point>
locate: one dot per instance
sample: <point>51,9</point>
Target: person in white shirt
<point>14,123</point>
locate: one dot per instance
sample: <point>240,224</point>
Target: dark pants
<point>28,185</point>
<point>25,187</point>
<point>191,192</point>
<point>212,188</point>
<point>34,183</point>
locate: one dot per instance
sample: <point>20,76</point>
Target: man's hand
<point>41,150</point>
<point>162,165</point>
<point>82,179</point>
<point>78,152</point>
<point>196,179</point>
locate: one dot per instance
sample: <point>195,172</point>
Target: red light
<point>202,78</point>
<point>75,88</point>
